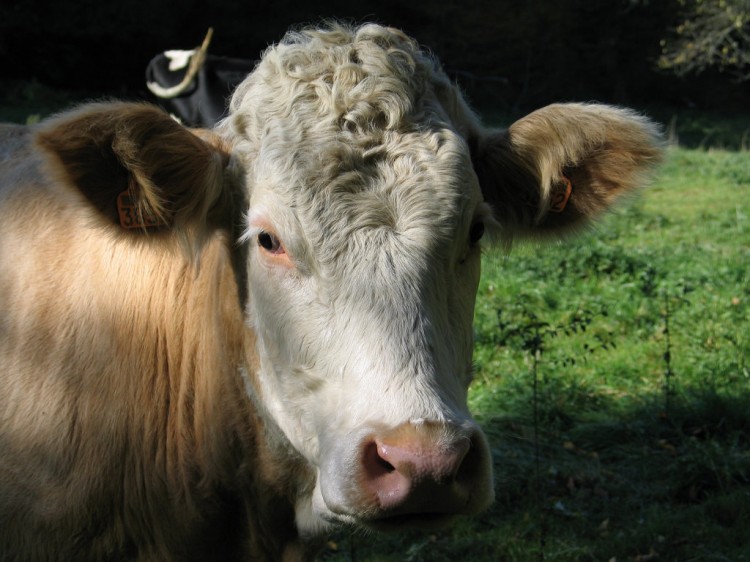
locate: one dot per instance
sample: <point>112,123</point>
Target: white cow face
<point>364,226</point>
<point>362,286</point>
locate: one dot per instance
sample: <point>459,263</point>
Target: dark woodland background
<point>510,56</point>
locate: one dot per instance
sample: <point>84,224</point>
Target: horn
<point>196,62</point>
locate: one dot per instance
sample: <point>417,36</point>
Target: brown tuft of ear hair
<point>172,177</point>
<point>562,166</point>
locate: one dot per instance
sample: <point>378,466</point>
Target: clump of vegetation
<point>712,33</point>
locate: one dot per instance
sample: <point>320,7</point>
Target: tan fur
<point>605,151</point>
<point>147,154</point>
<point>126,430</point>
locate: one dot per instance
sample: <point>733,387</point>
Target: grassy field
<point>612,377</point>
<point>640,447</point>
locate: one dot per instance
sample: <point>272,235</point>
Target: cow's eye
<point>270,243</point>
<point>476,232</point>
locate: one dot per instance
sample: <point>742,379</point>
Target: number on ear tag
<point>130,214</point>
<point>560,199</point>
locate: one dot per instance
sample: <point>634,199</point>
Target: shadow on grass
<point>636,485</point>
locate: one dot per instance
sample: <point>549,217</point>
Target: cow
<point>194,85</point>
<point>223,344</point>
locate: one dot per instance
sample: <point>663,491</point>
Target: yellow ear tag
<point>130,214</point>
<point>560,199</point>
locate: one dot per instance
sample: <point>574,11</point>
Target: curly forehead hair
<point>353,129</point>
<point>360,79</point>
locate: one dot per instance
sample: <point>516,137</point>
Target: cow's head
<point>368,189</point>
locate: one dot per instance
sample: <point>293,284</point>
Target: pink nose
<point>420,469</point>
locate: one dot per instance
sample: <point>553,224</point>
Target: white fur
<point>370,189</point>
<point>178,59</point>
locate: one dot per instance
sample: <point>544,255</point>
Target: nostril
<point>388,467</point>
<point>374,463</point>
<point>462,458</point>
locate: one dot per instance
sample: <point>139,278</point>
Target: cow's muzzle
<point>424,473</point>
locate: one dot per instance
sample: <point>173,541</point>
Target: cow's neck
<point>219,405</point>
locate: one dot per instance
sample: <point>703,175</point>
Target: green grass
<point>630,466</point>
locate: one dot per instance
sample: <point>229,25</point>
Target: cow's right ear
<point>140,168</point>
<point>559,168</point>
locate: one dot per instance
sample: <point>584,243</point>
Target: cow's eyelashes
<point>476,232</point>
<point>475,235</point>
<point>270,243</point>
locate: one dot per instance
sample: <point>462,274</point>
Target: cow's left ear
<point>559,167</point>
<point>138,167</point>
